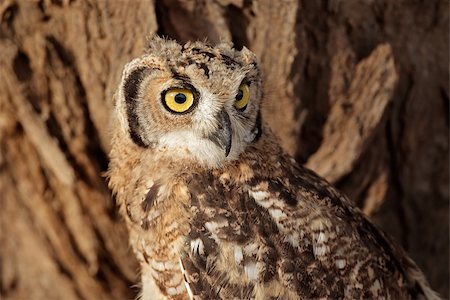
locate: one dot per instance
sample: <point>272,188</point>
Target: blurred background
<point>357,90</point>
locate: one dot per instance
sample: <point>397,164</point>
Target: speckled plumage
<point>250,224</point>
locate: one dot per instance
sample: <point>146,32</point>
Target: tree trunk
<point>357,91</point>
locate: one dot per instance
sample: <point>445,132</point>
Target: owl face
<point>193,101</point>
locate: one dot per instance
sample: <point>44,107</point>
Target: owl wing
<point>285,234</point>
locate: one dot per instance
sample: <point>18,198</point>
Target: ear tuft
<point>161,44</point>
<point>248,56</point>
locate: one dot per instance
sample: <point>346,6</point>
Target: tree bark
<point>356,90</point>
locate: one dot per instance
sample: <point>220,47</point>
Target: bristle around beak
<point>222,137</point>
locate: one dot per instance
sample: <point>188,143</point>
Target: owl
<point>215,209</point>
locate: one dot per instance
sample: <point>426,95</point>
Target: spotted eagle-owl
<point>214,207</point>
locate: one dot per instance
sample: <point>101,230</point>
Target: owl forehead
<point>213,67</point>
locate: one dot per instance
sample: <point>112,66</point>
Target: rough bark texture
<point>358,92</point>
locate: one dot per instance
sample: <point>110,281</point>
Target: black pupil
<point>180,98</point>
<point>239,95</point>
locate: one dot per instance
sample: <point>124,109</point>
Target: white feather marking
<point>175,290</point>
<point>259,195</point>
<point>203,150</point>
<point>180,288</point>
<point>148,288</point>
<point>162,265</point>
<point>293,239</point>
<point>238,255</point>
<point>214,226</point>
<point>186,284</point>
<point>322,238</point>
<point>262,198</point>
<point>340,263</point>
<point>149,183</point>
<point>183,270</point>
<point>197,246</point>
<point>159,266</point>
<point>207,109</point>
<point>277,214</point>
<point>320,250</point>
<point>188,288</point>
<point>251,271</point>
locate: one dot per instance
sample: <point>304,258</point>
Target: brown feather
<point>251,225</point>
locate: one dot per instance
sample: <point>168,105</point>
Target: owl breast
<point>261,235</point>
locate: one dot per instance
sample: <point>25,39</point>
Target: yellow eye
<point>242,97</point>
<point>178,100</point>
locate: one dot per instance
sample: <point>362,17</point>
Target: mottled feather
<point>214,207</point>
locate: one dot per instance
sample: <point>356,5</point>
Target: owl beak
<point>223,135</point>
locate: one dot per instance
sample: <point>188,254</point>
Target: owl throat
<point>211,152</point>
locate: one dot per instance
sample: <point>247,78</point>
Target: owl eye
<point>178,100</point>
<point>242,97</point>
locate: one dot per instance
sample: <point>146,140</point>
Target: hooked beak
<point>222,136</point>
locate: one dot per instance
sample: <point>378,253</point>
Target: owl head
<point>192,101</point>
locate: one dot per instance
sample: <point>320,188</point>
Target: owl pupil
<point>180,98</point>
<point>239,95</point>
